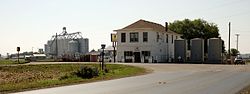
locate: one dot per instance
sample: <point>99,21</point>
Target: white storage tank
<point>84,45</point>
<point>73,46</point>
<point>214,50</point>
<point>197,50</point>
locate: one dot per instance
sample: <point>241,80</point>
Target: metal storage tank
<point>66,43</point>
<point>61,47</point>
<point>180,49</point>
<point>50,48</point>
<point>46,49</point>
<point>214,50</point>
<point>84,45</point>
<point>197,50</point>
<point>73,46</point>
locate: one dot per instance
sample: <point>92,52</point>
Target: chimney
<point>166,26</point>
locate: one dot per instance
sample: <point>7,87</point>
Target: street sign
<point>18,49</point>
<point>113,38</point>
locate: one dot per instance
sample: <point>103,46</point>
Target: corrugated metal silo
<point>197,50</point>
<point>214,50</point>
<point>180,50</point>
<point>84,45</point>
<point>73,46</point>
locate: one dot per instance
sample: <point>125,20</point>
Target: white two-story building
<point>145,41</point>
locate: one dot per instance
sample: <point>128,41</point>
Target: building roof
<point>110,48</point>
<point>145,25</point>
<point>93,53</point>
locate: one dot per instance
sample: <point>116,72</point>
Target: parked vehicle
<point>239,60</point>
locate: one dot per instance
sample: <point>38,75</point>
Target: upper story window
<point>134,37</point>
<point>157,37</point>
<point>166,38</point>
<point>172,39</point>
<point>123,37</point>
<point>145,36</point>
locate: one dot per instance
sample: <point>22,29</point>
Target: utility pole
<point>237,41</point>
<point>229,41</point>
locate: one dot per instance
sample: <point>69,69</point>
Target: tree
<point>234,52</point>
<point>197,28</point>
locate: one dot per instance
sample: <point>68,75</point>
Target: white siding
<point>160,51</point>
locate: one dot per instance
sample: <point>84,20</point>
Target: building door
<point>137,57</point>
<point>146,55</point>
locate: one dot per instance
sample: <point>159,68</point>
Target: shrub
<point>66,76</point>
<point>106,70</point>
<point>87,72</point>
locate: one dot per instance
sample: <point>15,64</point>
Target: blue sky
<point>30,23</point>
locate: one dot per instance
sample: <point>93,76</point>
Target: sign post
<point>114,41</point>
<point>18,50</point>
<point>103,47</point>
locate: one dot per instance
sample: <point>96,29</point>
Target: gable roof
<point>143,24</point>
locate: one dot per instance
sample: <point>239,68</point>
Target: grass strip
<point>28,77</point>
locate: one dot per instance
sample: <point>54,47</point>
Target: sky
<point>29,24</point>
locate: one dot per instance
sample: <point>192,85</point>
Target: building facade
<point>145,41</point>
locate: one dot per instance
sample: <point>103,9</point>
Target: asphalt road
<point>167,79</point>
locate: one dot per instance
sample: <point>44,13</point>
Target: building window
<point>176,37</point>
<point>145,36</point>
<point>128,53</point>
<point>172,39</point>
<point>134,37</point>
<point>123,38</point>
<point>166,38</point>
<point>157,37</point>
<point>145,53</point>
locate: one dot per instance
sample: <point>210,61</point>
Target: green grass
<point>9,62</point>
<point>27,77</point>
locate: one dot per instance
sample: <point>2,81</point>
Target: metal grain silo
<point>62,46</point>
<point>84,45</point>
<point>180,50</point>
<point>197,50</point>
<point>73,46</point>
<point>50,48</point>
<point>214,50</point>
